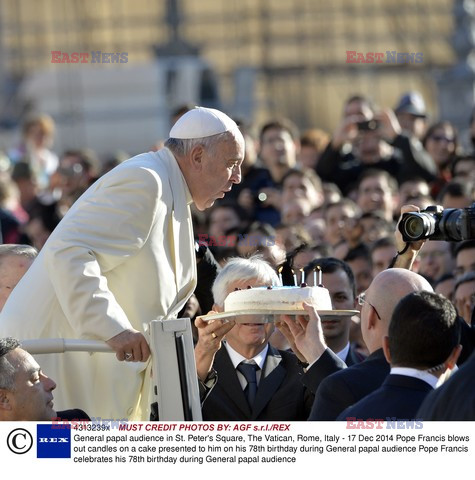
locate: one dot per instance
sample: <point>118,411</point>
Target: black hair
<point>280,124</point>
<point>457,188</point>
<point>465,278</point>
<point>444,278</point>
<point>331,265</point>
<point>423,331</point>
<point>465,245</point>
<point>383,242</point>
<point>376,172</point>
<point>360,251</point>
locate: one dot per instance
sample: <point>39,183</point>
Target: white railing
<point>175,381</point>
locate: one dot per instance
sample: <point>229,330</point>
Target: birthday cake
<point>277,299</point>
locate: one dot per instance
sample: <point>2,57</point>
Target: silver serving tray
<point>268,316</point>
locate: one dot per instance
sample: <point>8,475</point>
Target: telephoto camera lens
<point>435,223</point>
<point>417,226</point>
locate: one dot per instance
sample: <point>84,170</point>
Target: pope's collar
<point>189,198</point>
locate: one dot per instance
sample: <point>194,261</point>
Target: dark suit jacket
<point>455,399</point>
<point>74,414</point>
<point>467,339</point>
<point>345,387</point>
<point>398,398</point>
<point>353,357</point>
<point>328,364</point>
<point>280,396</point>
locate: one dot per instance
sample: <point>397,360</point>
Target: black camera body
<point>368,125</point>
<point>435,223</point>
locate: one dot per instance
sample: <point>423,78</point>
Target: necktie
<point>249,372</point>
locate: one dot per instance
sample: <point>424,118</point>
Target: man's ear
<point>196,157</point>
<point>372,318</point>
<point>386,350</point>
<point>5,403</point>
<point>453,357</point>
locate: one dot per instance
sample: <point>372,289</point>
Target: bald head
<point>391,285</point>
<point>384,293</point>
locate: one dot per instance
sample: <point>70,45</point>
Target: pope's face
<point>220,170</point>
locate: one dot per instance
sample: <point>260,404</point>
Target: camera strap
<point>402,252</point>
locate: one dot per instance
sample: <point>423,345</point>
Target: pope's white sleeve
<point>108,225</point>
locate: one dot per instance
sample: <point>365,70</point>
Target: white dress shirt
<point>237,358</point>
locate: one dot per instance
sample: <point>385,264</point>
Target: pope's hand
<point>130,345</point>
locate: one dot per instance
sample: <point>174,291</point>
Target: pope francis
<point>122,256</point>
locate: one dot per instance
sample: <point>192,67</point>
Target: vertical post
<point>175,381</point>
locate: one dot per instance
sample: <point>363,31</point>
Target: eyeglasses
<point>362,300</point>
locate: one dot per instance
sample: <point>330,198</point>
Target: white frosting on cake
<point>277,298</point>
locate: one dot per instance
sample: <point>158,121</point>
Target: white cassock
<point>122,256</point>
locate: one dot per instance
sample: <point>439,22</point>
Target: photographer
<point>408,251</point>
<point>375,141</point>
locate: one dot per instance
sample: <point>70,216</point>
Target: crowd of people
<point>292,202</point>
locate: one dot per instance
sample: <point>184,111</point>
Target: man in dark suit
<point>280,395</point>
<point>339,387</point>
<point>251,379</point>
<point>338,278</point>
<point>422,343</point>
<point>455,399</point>
<point>25,391</point>
<point>335,351</point>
